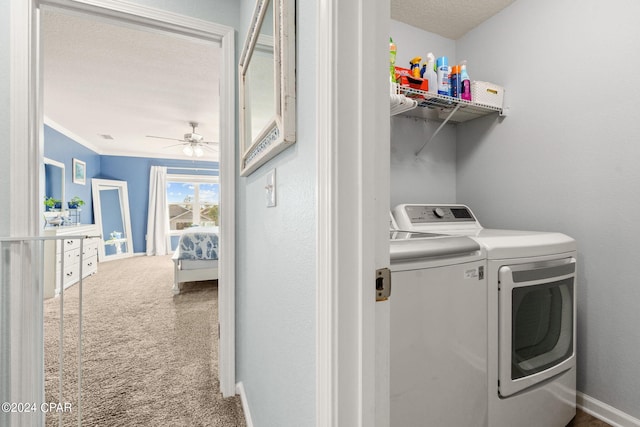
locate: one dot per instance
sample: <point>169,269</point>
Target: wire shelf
<point>435,106</point>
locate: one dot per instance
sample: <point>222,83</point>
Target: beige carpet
<point>149,357</point>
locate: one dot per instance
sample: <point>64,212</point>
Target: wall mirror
<point>268,84</point>
<point>111,212</point>
<point>54,187</point>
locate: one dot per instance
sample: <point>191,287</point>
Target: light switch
<point>271,188</point>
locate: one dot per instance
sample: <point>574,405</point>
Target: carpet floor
<point>149,358</point>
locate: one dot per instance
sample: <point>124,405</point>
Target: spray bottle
<point>465,82</point>
<point>415,66</point>
<point>430,73</point>
<point>455,81</point>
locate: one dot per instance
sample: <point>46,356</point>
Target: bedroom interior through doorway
<point>180,26</point>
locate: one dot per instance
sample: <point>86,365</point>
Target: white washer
<point>531,317</point>
<point>438,330</point>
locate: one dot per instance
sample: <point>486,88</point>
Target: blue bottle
<point>442,70</point>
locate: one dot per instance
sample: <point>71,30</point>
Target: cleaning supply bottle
<point>442,70</point>
<point>430,73</point>
<point>392,60</point>
<point>455,81</point>
<point>465,82</point>
<point>415,66</point>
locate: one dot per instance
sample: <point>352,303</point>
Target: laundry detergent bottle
<point>442,70</point>
<point>465,82</point>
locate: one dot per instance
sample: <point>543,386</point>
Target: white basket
<point>486,93</point>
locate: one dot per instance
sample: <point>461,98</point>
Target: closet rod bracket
<point>438,130</point>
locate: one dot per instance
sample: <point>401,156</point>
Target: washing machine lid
<point>411,246</point>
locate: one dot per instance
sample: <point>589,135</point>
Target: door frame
<point>27,147</point>
<point>353,193</point>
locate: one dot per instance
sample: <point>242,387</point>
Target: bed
<point>196,257</point>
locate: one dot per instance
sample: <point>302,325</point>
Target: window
<point>192,200</point>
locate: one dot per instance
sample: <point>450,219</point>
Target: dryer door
<point>537,323</point>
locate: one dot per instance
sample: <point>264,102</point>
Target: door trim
<point>26,138</point>
<point>24,381</point>
<point>352,174</point>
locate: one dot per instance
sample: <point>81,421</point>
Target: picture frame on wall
<point>79,172</point>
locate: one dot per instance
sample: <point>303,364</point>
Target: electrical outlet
<point>271,188</point>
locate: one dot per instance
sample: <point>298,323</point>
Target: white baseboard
<point>245,403</point>
<point>604,412</point>
<point>588,404</point>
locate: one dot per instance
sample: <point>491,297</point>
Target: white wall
<point>430,177</point>
<point>566,159</point>
<point>275,300</point>
<point>4,111</point>
<point>225,12</point>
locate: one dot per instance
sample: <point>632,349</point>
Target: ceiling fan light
<point>198,151</point>
<point>188,150</point>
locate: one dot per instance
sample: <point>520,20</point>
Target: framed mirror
<point>268,84</point>
<point>111,212</point>
<point>54,190</point>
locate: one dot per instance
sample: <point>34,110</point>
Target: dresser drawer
<point>89,265</point>
<point>90,248</point>
<point>71,274</point>
<point>69,244</point>
<point>70,257</point>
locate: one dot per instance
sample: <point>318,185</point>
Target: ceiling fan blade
<point>209,142</point>
<point>172,145</point>
<point>163,137</point>
<point>214,149</point>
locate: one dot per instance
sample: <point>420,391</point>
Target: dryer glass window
<point>542,327</point>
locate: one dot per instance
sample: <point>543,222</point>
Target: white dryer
<point>531,316</point>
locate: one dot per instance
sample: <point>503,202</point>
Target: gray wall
<point>566,159</point>
<point>430,177</point>
<point>275,299</point>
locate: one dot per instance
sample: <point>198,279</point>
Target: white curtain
<point>158,221</point>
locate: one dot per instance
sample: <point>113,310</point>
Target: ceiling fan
<point>194,143</point>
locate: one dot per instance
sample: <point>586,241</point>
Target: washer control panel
<point>433,214</point>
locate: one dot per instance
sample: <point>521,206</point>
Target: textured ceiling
<point>449,18</point>
<point>106,79</point>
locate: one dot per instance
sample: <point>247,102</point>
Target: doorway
<point>30,178</point>
<point>141,19</point>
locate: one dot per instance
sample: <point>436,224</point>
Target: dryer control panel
<point>408,216</point>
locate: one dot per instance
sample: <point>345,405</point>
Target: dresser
<point>70,252</point>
